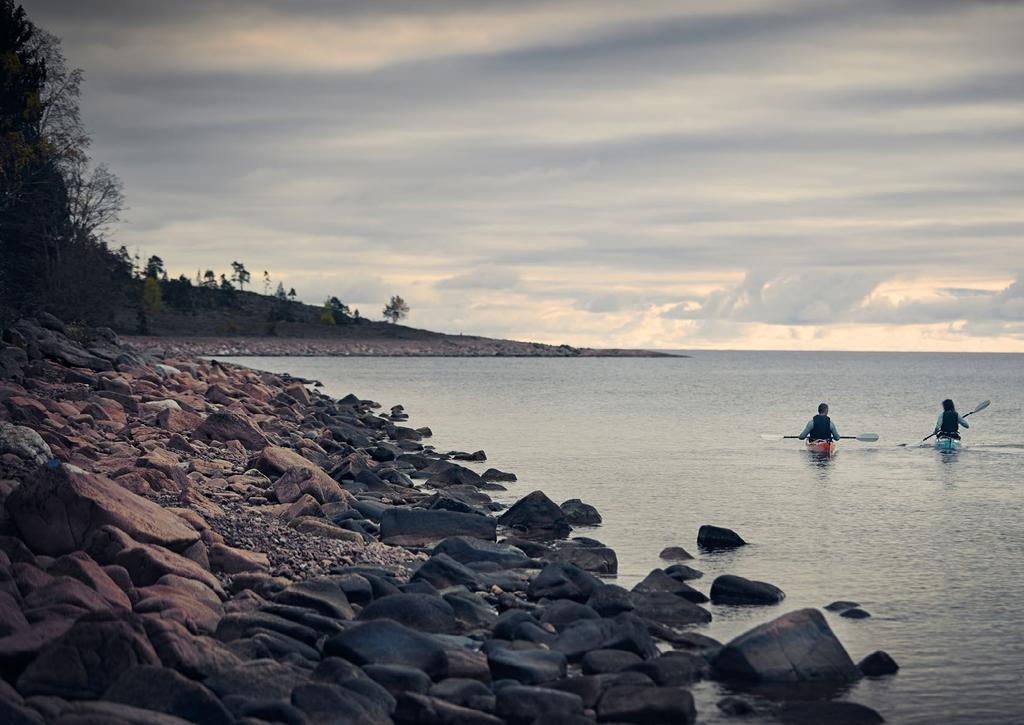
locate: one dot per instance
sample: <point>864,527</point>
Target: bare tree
<point>396,309</point>
<point>95,197</point>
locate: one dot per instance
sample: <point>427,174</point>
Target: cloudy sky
<point>741,174</point>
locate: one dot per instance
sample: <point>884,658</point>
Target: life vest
<point>950,422</point>
<point>821,430</point>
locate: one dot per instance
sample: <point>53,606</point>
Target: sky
<point>744,174</point>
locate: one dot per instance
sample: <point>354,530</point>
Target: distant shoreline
<point>436,345</point>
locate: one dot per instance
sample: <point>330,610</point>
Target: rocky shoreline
<point>423,345</point>
<point>183,540</point>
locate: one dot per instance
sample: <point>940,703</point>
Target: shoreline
<point>437,345</point>
<point>217,543</point>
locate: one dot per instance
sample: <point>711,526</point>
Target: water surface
<point>929,543</point>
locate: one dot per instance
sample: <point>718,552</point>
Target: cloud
<point>481,278</point>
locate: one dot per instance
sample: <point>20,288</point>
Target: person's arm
<point>807,430</point>
<point>835,433</point>
<point>938,423</point>
<point>963,422</point>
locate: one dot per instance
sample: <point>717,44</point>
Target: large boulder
<point>90,657</point>
<point>624,631</point>
<point>530,667</point>
<point>732,589</point>
<point>563,581</point>
<point>145,563</point>
<point>23,442</point>
<point>324,595</point>
<point>424,612</point>
<point>404,526</point>
<point>669,609</point>
<point>164,690</point>
<point>442,571</point>
<point>385,642</point>
<point>717,537</point>
<point>597,559</point>
<point>579,513</point>
<point>275,460</point>
<point>797,647</point>
<point>625,703</point>
<point>466,550</point>
<point>225,426</point>
<point>537,516</point>
<point>57,509</point>
<point>299,481</point>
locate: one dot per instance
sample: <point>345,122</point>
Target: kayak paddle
<point>865,437</point>
<point>977,409</point>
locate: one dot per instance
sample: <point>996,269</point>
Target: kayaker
<point>820,427</point>
<point>949,421</point>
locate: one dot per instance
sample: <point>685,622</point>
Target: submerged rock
<point>878,664</point>
<point>675,552</point>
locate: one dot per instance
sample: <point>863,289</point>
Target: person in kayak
<point>949,421</point>
<point>820,427</point>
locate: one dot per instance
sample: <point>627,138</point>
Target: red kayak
<point>824,448</point>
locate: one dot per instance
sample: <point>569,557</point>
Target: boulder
<point>310,480</point>
<point>580,514</point>
<point>631,704</point>
<point>522,705</point>
<point>610,599</point>
<point>604,661</point>
<point>194,656</point>
<point>442,571</point>
<point>317,526</point>
<point>414,708</point>
<point>673,668</point>
<point>840,606</point>
<point>80,566</point>
<point>466,550</point>
<point>396,679</point>
<point>683,573</point>
<point>24,443</point>
<point>598,559</point>
<point>112,713</point>
<point>797,647</point>
<point>716,537</point>
<point>424,612</point>
<point>493,475</point>
<point>57,510</point>
<point>530,667</point>
<point>563,612</point>
<point>824,711</point>
<point>166,691</point>
<point>90,657</point>
<point>403,526</point>
<point>323,594</point>
<point>230,560</point>
<point>261,679</point>
<point>275,460</point>
<point>731,589</point>
<point>669,609</point>
<point>563,581</point>
<point>536,516</point>
<point>384,642</point>
<point>444,473</point>
<point>855,613</point>
<point>624,631</point>
<point>467,693</point>
<point>878,664</point>
<point>324,704</point>
<point>178,421</point>
<point>676,553</point>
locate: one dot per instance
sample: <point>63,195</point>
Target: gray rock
<point>717,537</point>
<point>530,667</point>
<point>322,594</point>
<point>442,571</point>
<point>603,661</point>
<point>628,704</point>
<point>579,513</point>
<point>416,709</point>
<point>841,605</point>
<point>465,550</point>
<point>669,609</point>
<point>166,691</point>
<point>824,711</point>
<point>425,612</point>
<point>398,679</point>
<point>878,664</point>
<point>406,526</point>
<point>731,589</point>
<point>625,632</point>
<point>796,647</point>
<point>537,516</point>
<point>563,581</point>
<point>23,442</point>
<point>675,552</point>
<point>521,705</point>
<point>855,613</point>
<point>384,642</point>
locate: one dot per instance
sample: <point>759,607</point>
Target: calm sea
<point>930,543</point>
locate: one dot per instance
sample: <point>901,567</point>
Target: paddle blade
<point>981,406</point>
<point>868,437</point>
<point>771,436</point>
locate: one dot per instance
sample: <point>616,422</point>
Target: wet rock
<point>796,647</point>
<point>521,705</point>
<point>683,573</point>
<point>443,474</point>
<point>610,599</point>
<point>673,668</point>
<point>675,553</point>
<point>731,589</point>
<point>628,704</point>
<point>530,667</point>
<point>669,609</point>
<point>57,510</point>
<point>562,612</point>
<point>563,581</point>
<point>113,713</point>
<point>420,527</point>
<point>325,703</point>
<point>855,613</point>
<point>24,443</point>
<point>580,514</point>
<point>603,661</point>
<point>493,475</point>
<point>625,632</point>
<point>658,581</point>
<point>419,611</point>
<point>418,709</point>
<point>163,690</point>
<point>735,706</point>
<point>717,537</point>
<point>441,571</point>
<point>537,516</point>
<point>466,549</point>
<point>467,693</point>
<point>90,657</point>
<point>384,642</point>
<point>397,679</point>
<point>840,605</point>
<point>322,594</point>
<point>823,711</point>
<point>598,559</point>
<point>878,664</point>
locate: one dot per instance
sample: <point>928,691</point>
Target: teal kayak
<point>947,444</point>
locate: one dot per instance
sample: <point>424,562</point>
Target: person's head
<point>947,404</point>
<point>823,409</point>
